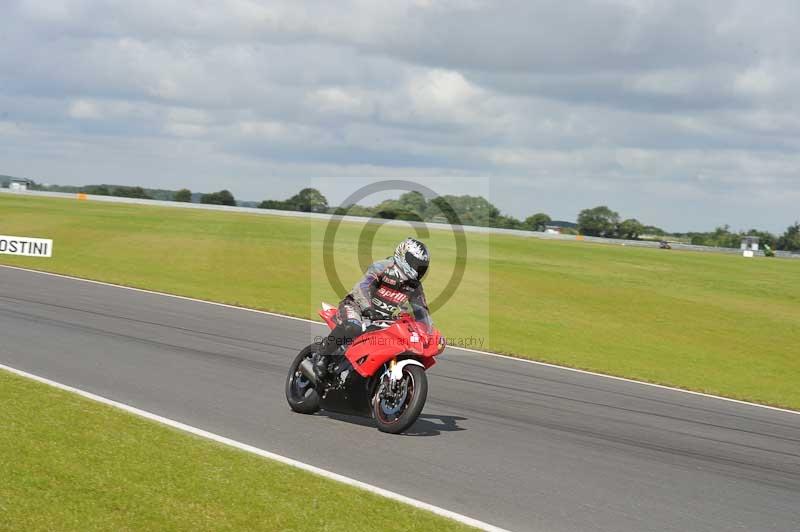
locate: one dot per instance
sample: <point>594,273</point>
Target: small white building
<point>20,184</point>
<point>750,243</point>
<point>552,229</point>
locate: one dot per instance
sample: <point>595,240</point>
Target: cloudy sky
<point>682,114</point>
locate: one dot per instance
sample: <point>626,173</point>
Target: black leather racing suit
<point>381,294</point>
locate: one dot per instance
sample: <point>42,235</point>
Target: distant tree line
<point>604,222</point>
<point>119,191</point>
<point>183,195</point>
<point>413,206</point>
<point>110,190</point>
<point>222,197</point>
<point>307,200</point>
<point>469,210</point>
<point>475,210</point>
<point>724,237</point>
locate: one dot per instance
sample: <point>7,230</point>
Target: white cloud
<point>630,98</point>
<point>84,109</point>
<point>266,130</point>
<point>443,93</point>
<point>337,100</point>
<point>758,80</point>
<point>183,129</point>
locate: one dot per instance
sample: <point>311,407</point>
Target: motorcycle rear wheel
<point>395,419</point>
<point>300,392</point>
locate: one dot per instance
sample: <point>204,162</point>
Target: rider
<point>387,287</point>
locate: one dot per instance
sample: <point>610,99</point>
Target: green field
<point>715,323</point>
<point>67,463</point>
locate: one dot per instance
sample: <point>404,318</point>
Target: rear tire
<point>300,392</point>
<point>417,394</point>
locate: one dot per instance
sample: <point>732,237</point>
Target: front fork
<point>389,384</point>
<point>393,387</point>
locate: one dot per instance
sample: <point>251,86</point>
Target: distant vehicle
<point>664,245</point>
<point>381,374</point>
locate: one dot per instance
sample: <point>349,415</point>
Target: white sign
<point>28,247</point>
<point>748,253</point>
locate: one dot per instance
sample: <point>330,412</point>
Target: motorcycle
<point>381,374</point>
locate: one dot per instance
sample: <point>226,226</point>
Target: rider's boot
<point>322,358</point>
<point>337,338</point>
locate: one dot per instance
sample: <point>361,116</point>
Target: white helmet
<point>412,257</point>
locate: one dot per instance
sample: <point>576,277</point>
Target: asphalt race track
<point>518,445</point>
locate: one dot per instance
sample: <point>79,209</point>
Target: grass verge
<point>68,463</point>
<point>718,324</point>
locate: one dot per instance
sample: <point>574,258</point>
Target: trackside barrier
<point>398,223</point>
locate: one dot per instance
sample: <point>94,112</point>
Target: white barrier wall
<point>358,219</point>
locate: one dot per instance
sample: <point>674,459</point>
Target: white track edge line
<point>486,353</point>
<point>260,452</point>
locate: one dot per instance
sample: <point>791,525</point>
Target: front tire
<point>300,392</point>
<point>395,417</point>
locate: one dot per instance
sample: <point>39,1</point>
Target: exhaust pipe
<point>307,369</point>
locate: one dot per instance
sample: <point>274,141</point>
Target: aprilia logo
<point>392,295</point>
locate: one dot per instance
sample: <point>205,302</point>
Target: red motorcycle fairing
<point>372,350</point>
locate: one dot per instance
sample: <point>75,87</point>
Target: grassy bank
<point>714,323</point>
<point>67,463</point>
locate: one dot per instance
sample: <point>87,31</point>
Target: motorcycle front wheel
<point>300,392</point>
<point>395,412</point>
